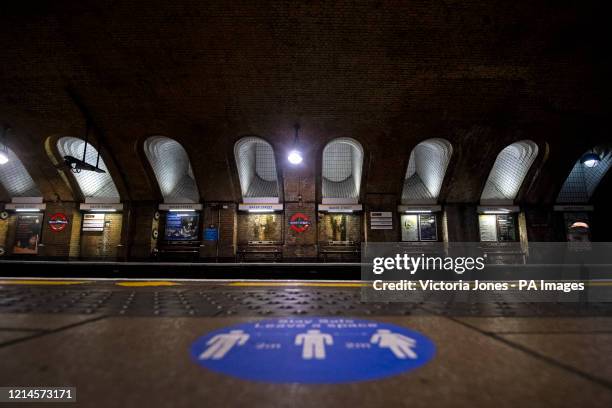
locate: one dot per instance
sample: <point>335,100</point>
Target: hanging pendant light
<point>590,159</point>
<point>295,155</point>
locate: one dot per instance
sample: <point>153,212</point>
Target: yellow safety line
<point>314,284</point>
<point>40,282</point>
<point>358,285</point>
<point>598,283</point>
<point>147,283</point>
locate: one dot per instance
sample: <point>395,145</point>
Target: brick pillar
<point>140,237</point>
<point>541,224</point>
<point>462,222</point>
<point>223,217</point>
<point>300,245</point>
<point>61,244</point>
<point>299,185</point>
<point>227,231</point>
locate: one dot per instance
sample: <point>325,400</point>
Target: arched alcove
<point>93,185</point>
<point>508,172</point>
<point>172,170</point>
<point>341,172</point>
<point>257,170</point>
<point>426,170</point>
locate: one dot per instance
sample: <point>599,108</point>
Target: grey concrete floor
<point>129,346</point>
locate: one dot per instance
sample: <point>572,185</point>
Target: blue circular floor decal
<point>312,350</point>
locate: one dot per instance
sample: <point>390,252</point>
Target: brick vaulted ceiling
<point>481,74</point>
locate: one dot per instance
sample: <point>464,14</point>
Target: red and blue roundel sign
<point>313,350</point>
<point>299,222</point>
<point>58,222</point>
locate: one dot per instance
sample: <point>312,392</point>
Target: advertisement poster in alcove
<point>428,228</point>
<point>182,226</point>
<point>27,235</point>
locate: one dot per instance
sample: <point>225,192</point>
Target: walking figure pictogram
<point>221,344</point>
<point>400,345</point>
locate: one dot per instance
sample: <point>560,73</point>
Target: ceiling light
<point>3,158</point>
<point>295,155</point>
<point>590,159</point>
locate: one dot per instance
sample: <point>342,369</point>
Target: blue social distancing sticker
<point>314,350</point>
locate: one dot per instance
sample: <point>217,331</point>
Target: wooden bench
<point>179,251</point>
<point>260,252</point>
<point>344,251</point>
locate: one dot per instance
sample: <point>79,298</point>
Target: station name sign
<point>260,207</point>
<point>340,207</point>
<point>24,206</point>
<point>180,207</point>
<point>101,207</point>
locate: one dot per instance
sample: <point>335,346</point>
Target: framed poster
<point>506,228</point>
<point>488,227</point>
<point>410,227</point>
<point>182,226</point>
<point>263,227</point>
<point>428,228</point>
<point>27,234</point>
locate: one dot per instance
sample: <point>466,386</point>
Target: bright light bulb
<point>295,157</point>
<point>590,159</point>
<point>3,158</point>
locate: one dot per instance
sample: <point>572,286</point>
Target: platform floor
<point>126,343</point>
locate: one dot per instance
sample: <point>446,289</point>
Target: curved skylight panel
<point>91,183</point>
<point>256,168</point>
<point>426,169</point>
<point>582,181</point>
<point>172,169</point>
<point>342,167</point>
<point>508,172</point>
<point>15,178</point>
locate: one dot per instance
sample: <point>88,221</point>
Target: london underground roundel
<point>312,350</point>
<point>299,222</point>
<point>58,222</point>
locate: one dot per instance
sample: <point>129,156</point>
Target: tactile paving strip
<point>223,301</point>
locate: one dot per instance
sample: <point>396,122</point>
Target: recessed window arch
<point>508,172</point>
<point>15,178</point>
<point>582,181</point>
<point>257,170</point>
<point>172,170</point>
<point>342,169</point>
<point>93,185</point>
<point>425,173</point>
